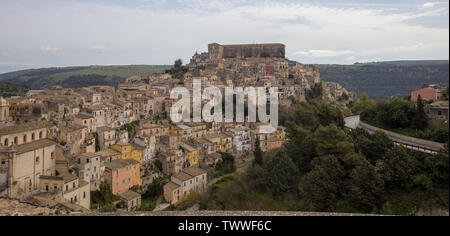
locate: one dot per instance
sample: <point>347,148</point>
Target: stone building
<point>182,184</point>
<point>122,175</point>
<point>438,113</point>
<point>131,199</point>
<point>68,187</point>
<point>87,168</point>
<point>217,51</point>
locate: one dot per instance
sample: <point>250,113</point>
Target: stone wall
<point>217,51</point>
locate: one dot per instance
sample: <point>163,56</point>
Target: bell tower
<point>4,110</point>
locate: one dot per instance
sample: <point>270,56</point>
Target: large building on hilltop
<point>217,51</point>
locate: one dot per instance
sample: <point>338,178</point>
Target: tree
<point>227,165</point>
<point>372,146</point>
<point>316,91</point>
<point>304,116</point>
<point>256,177</point>
<point>396,113</point>
<point>440,167</point>
<point>397,169</point>
<point>103,198</point>
<point>344,97</point>
<point>323,185</point>
<point>155,189</point>
<point>329,115</point>
<point>178,63</point>
<point>445,93</point>
<point>258,153</point>
<point>366,187</point>
<point>420,120</point>
<point>327,138</point>
<point>302,151</point>
<point>97,143</point>
<point>282,175</point>
<point>158,165</point>
<point>363,103</point>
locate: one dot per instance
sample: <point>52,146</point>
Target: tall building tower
<point>4,110</point>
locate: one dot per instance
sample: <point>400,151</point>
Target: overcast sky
<point>44,33</point>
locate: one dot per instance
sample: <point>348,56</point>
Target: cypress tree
<point>420,120</point>
<point>258,153</point>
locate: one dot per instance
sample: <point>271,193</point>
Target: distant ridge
<point>81,76</point>
<point>387,78</point>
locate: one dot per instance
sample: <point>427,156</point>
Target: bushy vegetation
<point>9,90</point>
<point>178,70</point>
<point>324,167</point>
<point>400,115</point>
<point>226,166</point>
<point>103,199</point>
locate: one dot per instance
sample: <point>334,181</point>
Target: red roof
<point>427,94</point>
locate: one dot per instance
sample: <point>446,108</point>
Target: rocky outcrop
<point>11,207</point>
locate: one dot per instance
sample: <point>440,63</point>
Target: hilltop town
<point>72,147</point>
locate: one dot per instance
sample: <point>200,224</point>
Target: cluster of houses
<point>60,144</point>
<point>436,107</point>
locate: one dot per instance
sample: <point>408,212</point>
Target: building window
<point>52,155</point>
<point>84,195</point>
<point>32,136</point>
<point>25,138</point>
<point>16,140</point>
<point>37,160</point>
<point>73,185</point>
<point>6,142</point>
<point>67,187</point>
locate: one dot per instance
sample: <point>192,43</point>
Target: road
<point>417,144</point>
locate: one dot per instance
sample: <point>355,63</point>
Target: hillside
<point>386,79</point>
<point>76,77</point>
<point>8,89</point>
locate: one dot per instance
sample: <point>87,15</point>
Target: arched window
<point>32,136</point>
<point>16,140</point>
<point>40,134</point>
<point>25,138</point>
<point>6,142</point>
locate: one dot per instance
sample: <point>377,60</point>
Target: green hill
<point>8,89</point>
<point>76,77</point>
<point>386,79</point>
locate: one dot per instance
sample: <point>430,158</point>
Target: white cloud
<point>6,54</point>
<point>313,33</point>
<point>49,50</point>
<point>99,48</point>
<point>429,4</point>
<point>325,53</point>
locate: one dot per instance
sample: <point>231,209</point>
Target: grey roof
<point>182,176</point>
<point>194,171</point>
<point>120,163</point>
<point>28,147</point>
<point>25,127</point>
<point>129,195</point>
